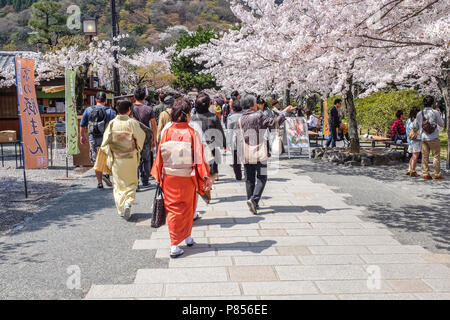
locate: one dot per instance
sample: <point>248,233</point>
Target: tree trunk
<point>444,84</point>
<point>351,113</point>
<point>286,97</point>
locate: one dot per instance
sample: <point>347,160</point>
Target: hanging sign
<point>32,133</point>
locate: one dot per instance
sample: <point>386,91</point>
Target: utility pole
<point>116,78</point>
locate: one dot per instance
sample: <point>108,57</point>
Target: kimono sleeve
<point>158,164</point>
<point>138,134</point>
<point>202,168</point>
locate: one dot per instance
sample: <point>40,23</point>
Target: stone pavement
<point>306,243</point>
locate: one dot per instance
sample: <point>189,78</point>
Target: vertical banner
<point>71,115</point>
<point>33,139</point>
<point>326,116</point>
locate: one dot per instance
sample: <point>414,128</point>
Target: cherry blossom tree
<point>326,47</point>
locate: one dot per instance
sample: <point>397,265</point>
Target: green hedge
<point>377,111</point>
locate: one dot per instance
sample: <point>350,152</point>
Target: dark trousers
<point>237,167</point>
<point>145,164</point>
<point>332,138</point>
<point>214,166</point>
<point>255,180</point>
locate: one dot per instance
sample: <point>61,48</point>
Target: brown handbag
<point>413,134</point>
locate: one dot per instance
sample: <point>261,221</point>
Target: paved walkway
<point>306,243</point>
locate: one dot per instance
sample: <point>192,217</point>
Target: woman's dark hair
<point>428,101</point>
<point>162,96</point>
<point>123,106</point>
<point>399,114</point>
<point>308,112</point>
<point>236,106</point>
<point>413,113</point>
<point>260,100</point>
<point>202,103</point>
<point>180,110</point>
<point>234,94</point>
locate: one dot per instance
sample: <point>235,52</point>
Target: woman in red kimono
<point>181,171</point>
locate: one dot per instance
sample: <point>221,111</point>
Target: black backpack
<point>97,121</point>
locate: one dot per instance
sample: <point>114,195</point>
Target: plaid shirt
<point>398,127</point>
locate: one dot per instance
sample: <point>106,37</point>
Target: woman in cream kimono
<point>181,171</point>
<point>122,143</point>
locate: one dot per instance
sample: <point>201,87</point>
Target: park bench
<point>392,144</point>
<point>315,136</point>
<point>373,141</point>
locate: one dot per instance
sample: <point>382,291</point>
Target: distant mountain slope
<point>149,22</point>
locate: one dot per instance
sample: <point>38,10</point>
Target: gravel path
<point>80,229</point>
<point>43,185</point>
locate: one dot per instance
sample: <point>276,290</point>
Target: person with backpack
<point>428,121</point>
<point>145,115</point>
<point>94,121</point>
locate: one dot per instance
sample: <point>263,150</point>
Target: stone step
<point>177,275</point>
<point>124,291</point>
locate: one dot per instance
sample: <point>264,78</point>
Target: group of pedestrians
<point>422,133</point>
<point>188,137</point>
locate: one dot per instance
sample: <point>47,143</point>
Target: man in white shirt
<point>430,138</point>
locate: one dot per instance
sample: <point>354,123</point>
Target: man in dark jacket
<point>145,115</point>
<point>335,123</point>
<point>255,122</point>
<point>211,127</point>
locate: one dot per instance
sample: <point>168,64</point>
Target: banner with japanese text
<point>33,138</point>
<point>71,114</point>
<point>326,117</point>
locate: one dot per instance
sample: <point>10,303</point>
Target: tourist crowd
<point>177,141</point>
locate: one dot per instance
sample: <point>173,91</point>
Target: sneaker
<point>100,186</point>
<point>427,177</point>
<point>127,212</point>
<point>175,252</point>
<point>196,216</point>
<point>190,241</point>
<point>439,178</point>
<point>107,180</point>
<point>252,206</point>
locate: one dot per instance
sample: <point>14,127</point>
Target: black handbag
<point>158,210</point>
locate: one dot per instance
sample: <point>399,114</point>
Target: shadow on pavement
<point>75,204</point>
<point>433,219</point>
<point>256,247</point>
<point>17,251</point>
